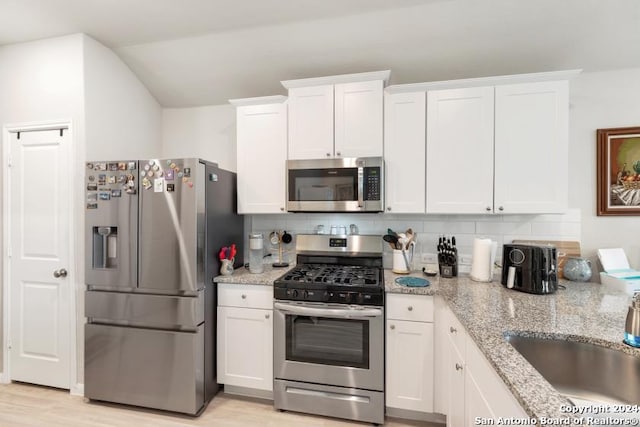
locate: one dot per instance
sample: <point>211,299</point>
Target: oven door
<point>334,344</point>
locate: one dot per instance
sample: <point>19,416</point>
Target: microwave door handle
<point>360,187</point>
<point>341,313</point>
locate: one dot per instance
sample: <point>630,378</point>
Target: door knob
<point>60,273</point>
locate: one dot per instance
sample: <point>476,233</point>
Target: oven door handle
<point>343,313</point>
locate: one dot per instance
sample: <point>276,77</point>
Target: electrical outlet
<point>464,259</point>
<point>429,258</point>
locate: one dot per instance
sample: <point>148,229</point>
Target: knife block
<point>448,270</point>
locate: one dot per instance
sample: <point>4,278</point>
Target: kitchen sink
<point>587,374</point>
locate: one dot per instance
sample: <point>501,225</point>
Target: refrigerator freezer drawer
<point>143,367</point>
<point>153,311</point>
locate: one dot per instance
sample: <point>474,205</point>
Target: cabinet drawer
<point>248,296</point>
<point>455,331</point>
<point>417,308</point>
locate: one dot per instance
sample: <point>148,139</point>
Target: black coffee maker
<point>530,268</point>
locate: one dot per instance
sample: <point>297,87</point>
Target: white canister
<point>256,244</point>
<point>401,261</point>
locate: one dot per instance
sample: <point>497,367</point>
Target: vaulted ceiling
<point>203,52</point>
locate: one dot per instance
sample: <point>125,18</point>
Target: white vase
<point>226,269</point>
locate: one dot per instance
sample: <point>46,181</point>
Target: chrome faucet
<point>632,325</point>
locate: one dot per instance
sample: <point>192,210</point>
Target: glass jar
<point>577,269</point>
<point>256,251</point>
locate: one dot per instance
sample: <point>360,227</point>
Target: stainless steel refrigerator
<point>153,232</point>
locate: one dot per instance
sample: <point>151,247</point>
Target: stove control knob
<point>360,298</point>
<point>305,294</point>
<point>347,296</point>
<point>294,293</point>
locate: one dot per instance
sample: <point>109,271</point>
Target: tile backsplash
<point>501,228</point>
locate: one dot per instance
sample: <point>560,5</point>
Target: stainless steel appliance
<point>632,323</point>
<point>336,185</point>
<point>530,268</point>
<point>153,228</point>
<point>329,329</point>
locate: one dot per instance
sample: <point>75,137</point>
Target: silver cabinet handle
<point>392,326</point>
<point>328,155</point>
<point>266,316</point>
<point>488,208</point>
<point>338,153</point>
<point>501,208</point>
<point>452,330</point>
<point>458,367</point>
<point>244,296</point>
<point>410,308</point>
<point>389,208</point>
<point>60,273</point>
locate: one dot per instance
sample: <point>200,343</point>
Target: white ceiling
<point>203,52</point>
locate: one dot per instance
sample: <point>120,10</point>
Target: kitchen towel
<point>484,255</point>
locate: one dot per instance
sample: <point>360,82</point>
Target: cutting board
<point>564,249</point>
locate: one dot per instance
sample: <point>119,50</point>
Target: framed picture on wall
<point>618,171</point>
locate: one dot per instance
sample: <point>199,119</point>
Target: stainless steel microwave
<point>336,185</point>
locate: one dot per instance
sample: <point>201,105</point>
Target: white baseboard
<point>77,389</point>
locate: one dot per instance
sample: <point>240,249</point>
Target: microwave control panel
<point>372,183</point>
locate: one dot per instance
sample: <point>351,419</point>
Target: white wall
<point>207,132</point>
<point>123,120</point>
<point>601,100</point>
<point>43,81</point>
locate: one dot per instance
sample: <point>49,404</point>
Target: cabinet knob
<point>282,209</point>
<point>266,316</point>
<point>389,208</point>
<point>488,208</point>
<point>410,308</point>
<point>328,154</point>
<point>392,326</point>
<point>338,153</point>
<point>458,367</point>
<point>244,296</point>
<point>501,208</point>
<point>452,329</point>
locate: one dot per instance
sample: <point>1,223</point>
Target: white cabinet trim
<point>342,78</point>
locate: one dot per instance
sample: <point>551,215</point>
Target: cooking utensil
<point>392,240</point>
<point>274,237</point>
<point>286,237</point>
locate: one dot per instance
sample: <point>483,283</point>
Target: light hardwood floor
<point>23,405</point>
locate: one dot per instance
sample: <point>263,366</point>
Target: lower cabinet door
<point>476,405</point>
<point>456,399</point>
<point>245,347</point>
<point>409,373</point>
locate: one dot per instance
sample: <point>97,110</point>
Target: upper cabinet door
<point>261,157</point>
<point>311,122</point>
<point>358,119</point>
<point>460,150</point>
<point>531,132</point>
<point>404,151</point>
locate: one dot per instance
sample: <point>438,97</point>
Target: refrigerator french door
<point>152,229</point>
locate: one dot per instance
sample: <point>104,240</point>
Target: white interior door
<point>38,250</point>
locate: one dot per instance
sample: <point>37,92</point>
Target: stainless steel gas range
<point>329,329</point>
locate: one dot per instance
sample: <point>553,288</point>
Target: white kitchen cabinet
<point>470,386</point>
<point>480,139</point>
<point>245,336</point>
<point>310,122</point>
<point>531,132</point>
<point>409,352</point>
<point>460,150</point>
<point>338,116</point>
<point>404,151</point>
<point>261,127</point>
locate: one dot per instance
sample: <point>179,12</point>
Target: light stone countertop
<point>584,312</point>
